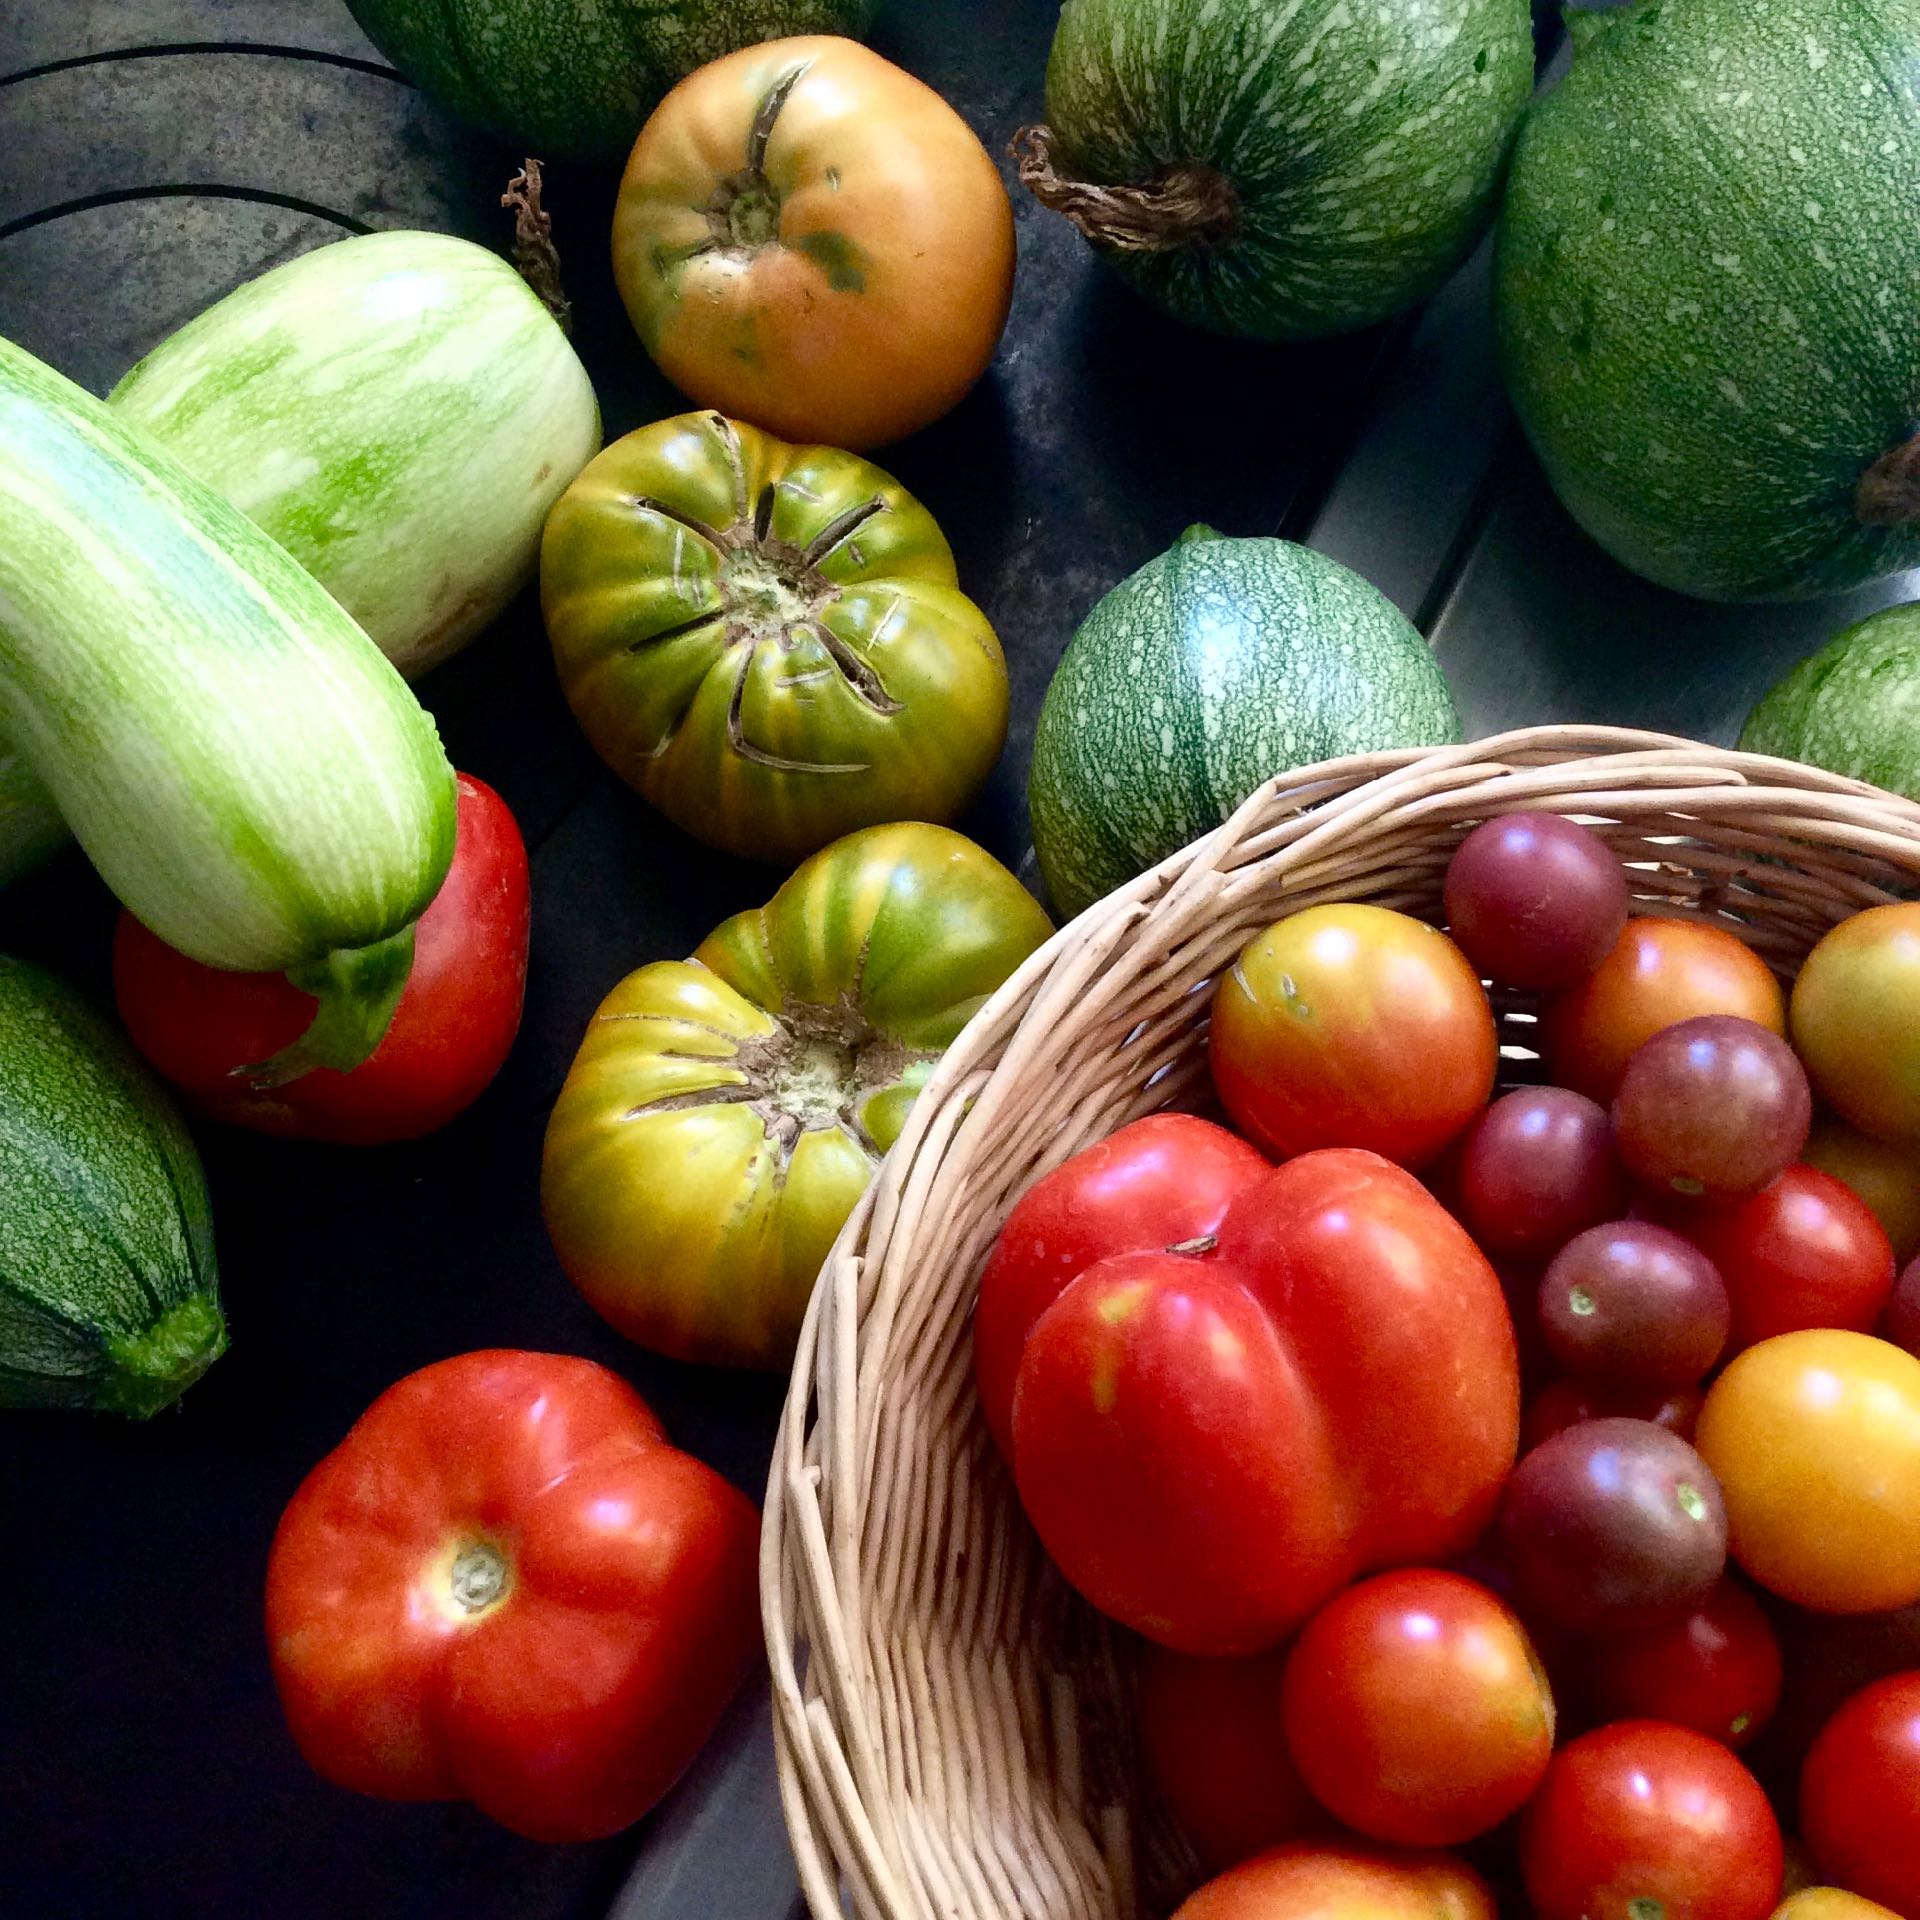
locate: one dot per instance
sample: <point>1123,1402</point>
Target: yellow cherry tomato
<point>1830,1903</point>
<point>1855,1017</point>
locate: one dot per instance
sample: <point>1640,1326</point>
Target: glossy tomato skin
<point>1815,1438</point>
<point>506,1586</point>
<point>1830,1903</point>
<point>1856,1020</point>
<point>1860,1794</point>
<point>1352,1026</point>
<point>1309,1881</point>
<point>450,1033</point>
<point>1805,1251</point>
<point>1211,1737</point>
<point>1643,1818</point>
<point>864,264</point>
<point>1160,1182</point>
<point>1416,1709</point>
<point>1659,973</point>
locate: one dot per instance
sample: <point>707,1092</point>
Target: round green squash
<point>1708,277</point>
<point>575,79</point>
<point>1215,667</point>
<point>1281,171</point>
<point>1853,708</point>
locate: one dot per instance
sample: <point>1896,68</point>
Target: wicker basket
<point>952,1724</point>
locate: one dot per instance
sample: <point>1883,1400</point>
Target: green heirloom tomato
<point>724,1113</point>
<point>768,641</point>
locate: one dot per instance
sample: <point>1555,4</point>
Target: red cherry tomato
<point>1641,1819</point>
<point>1900,1319</point>
<point>1211,1736</point>
<point>1565,1403</point>
<point>1163,1181</point>
<point>1803,1252</point>
<point>1309,1881</point>
<point>1860,1794</point>
<point>1717,1671</point>
<point>449,1035</point>
<point>1416,1710</point>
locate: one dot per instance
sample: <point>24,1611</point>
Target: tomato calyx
<point>744,212</point>
<point>470,1577</point>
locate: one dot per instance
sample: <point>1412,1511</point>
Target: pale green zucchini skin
<point>108,1287</point>
<point>248,773</point>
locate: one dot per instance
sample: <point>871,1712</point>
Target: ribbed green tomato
<point>724,1113</point>
<point>768,641</point>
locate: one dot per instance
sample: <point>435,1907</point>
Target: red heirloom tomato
<point>1211,1734</point>
<point>1352,1026</point>
<point>1659,973</point>
<point>1211,1442</point>
<point>455,1022</point>
<point>1642,1819</point>
<point>506,1586</point>
<point>1416,1709</point>
<point>1860,1794</point>
<point>1307,1882</point>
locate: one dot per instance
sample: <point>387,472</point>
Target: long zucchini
<point>248,773</point>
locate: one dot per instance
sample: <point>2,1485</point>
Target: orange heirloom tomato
<point>1815,1440</point>
<point>811,239</point>
<point>1308,1882</point>
<point>1353,1026</point>
<point>1856,1020</point>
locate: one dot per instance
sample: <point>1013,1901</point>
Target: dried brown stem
<point>1187,204</point>
<point>533,250</point>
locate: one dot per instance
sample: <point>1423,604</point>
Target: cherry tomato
<point>1803,1252</point>
<point>1533,1170</point>
<point>1314,1882</point>
<point>1416,1710</point>
<point>1860,1794</point>
<point>1815,1438</point>
<point>1565,1403</point>
<point>1718,1670</point>
<point>1900,1322</point>
<point>1884,1173</point>
<point>1829,1658</point>
<point>1659,973</point>
<point>1211,1736</point>
<point>1634,1307</point>
<point>1535,900</point>
<point>1641,1819</point>
<point>1830,1903</point>
<point>449,1034</point>
<point>1856,1020</point>
<point>1353,1026</point>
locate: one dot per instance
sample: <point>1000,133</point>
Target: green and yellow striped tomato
<point>768,641</point>
<point>724,1113</point>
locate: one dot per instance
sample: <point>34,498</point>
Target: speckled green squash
<point>1362,139</point>
<point>574,79</point>
<point>1854,708</point>
<point>1709,276</point>
<point>108,1291</point>
<point>1213,668</point>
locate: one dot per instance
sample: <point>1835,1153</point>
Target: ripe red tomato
<point>1319,1882</point>
<point>1717,1671</point>
<point>1416,1710</point>
<point>1565,1403</point>
<point>1352,1026</point>
<point>506,1586</point>
<point>1163,1181</point>
<point>449,1035</point>
<point>1860,1794</point>
<point>1211,1737</point>
<point>1803,1252</point>
<point>1659,973</point>
<point>1641,1818</point>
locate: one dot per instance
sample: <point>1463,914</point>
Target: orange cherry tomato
<point>1856,1020</point>
<point>811,239</point>
<point>1659,973</point>
<point>1815,1440</point>
<point>1353,1026</point>
<point>1307,1882</point>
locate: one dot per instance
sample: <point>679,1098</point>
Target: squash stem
<point>151,1369</point>
<point>1889,491</point>
<point>358,989</point>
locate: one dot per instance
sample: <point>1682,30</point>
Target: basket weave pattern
<point>951,1721</point>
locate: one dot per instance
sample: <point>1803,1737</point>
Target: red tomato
<point>451,1031</point>
<point>1717,1671</point>
<point>1416,1710</point>
<point>1209,1444</point>
<point>1900,1321</point>
<point>1163,1181</point>
<point>1659,973</point>
<point>1309,1882</point>
<point>1860,1794</point>
<point>1566,1403</point>
<point>1803,1252</point>
<point>1210,1733</point>
<point>1641,1818</point>
<point>506,1586</point>
<point>1352,1026</point>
